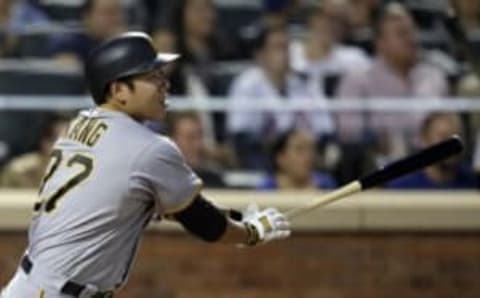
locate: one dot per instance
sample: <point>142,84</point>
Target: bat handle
<point>326,199</point>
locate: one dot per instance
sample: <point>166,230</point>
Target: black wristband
<point>235,214</point>
<point>203,219</point>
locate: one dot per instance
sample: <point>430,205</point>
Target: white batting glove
<point>265,225</point>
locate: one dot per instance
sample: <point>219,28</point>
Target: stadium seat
<point>18,129</point>
<point>31,45</point>
<point>330,84</point>
<point>40,83</point>
<point>63,11</point>
<point>427,13</point>
<point>362,39</point>
<point>221,83</point>
<point>475,41</point>
<point>232,19</point>
<point>223,74</point>
<point>14,78</point>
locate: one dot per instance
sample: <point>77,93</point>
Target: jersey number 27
<point>50,203</point>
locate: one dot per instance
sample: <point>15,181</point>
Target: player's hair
<point>126,80</point>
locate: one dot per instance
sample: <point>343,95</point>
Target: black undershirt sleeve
<point>204,220</point>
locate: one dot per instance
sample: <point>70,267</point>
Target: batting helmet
<point>128,54</point>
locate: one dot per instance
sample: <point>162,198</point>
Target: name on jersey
<point>87,130</point>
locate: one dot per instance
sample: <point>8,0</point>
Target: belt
<point>70,287</point>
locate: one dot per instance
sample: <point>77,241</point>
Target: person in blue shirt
<point>293,158</point>
<point>449,174</point>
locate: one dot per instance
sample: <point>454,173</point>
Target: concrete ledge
<point>369,211</point>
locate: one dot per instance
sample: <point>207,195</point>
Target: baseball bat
<point>411,163</point>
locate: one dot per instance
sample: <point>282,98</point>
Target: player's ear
<point>119,91</point>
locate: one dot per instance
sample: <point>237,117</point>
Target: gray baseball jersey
<point>107,176</point>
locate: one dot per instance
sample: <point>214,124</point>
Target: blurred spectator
<point>397,72</point>
<point>26,171</point>
<point>448,174</point>
<point>7,40</point>
<point>337,13</point>
<point>201,43</point>
<point>165,41</point>
<point>361,13</point>
<point>26,15</point>
<point>293,157</point>
<point>101,19</point>
<point>469,87</point>
<point>469,13</point>
<point>320,55</point>
<point>186,130</point>
<point>199,39</point>
<point>276,12</point>
<point>26,29</point>
<point>361,16</point>
<point>267,82</point>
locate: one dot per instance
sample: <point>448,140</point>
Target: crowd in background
<point>265,50</point>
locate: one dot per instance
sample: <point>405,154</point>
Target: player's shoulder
<point>163,148</point>
<point>165,143</point>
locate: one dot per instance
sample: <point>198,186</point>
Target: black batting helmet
<point>128,54</point>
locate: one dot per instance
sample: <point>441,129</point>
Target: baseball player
<point>109,175</point>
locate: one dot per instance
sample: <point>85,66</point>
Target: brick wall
<point>332,265</point>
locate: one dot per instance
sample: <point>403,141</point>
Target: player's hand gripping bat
<point>414,162</point>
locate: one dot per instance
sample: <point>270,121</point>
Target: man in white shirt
<point>270,81</point>
<point>320,55</point>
